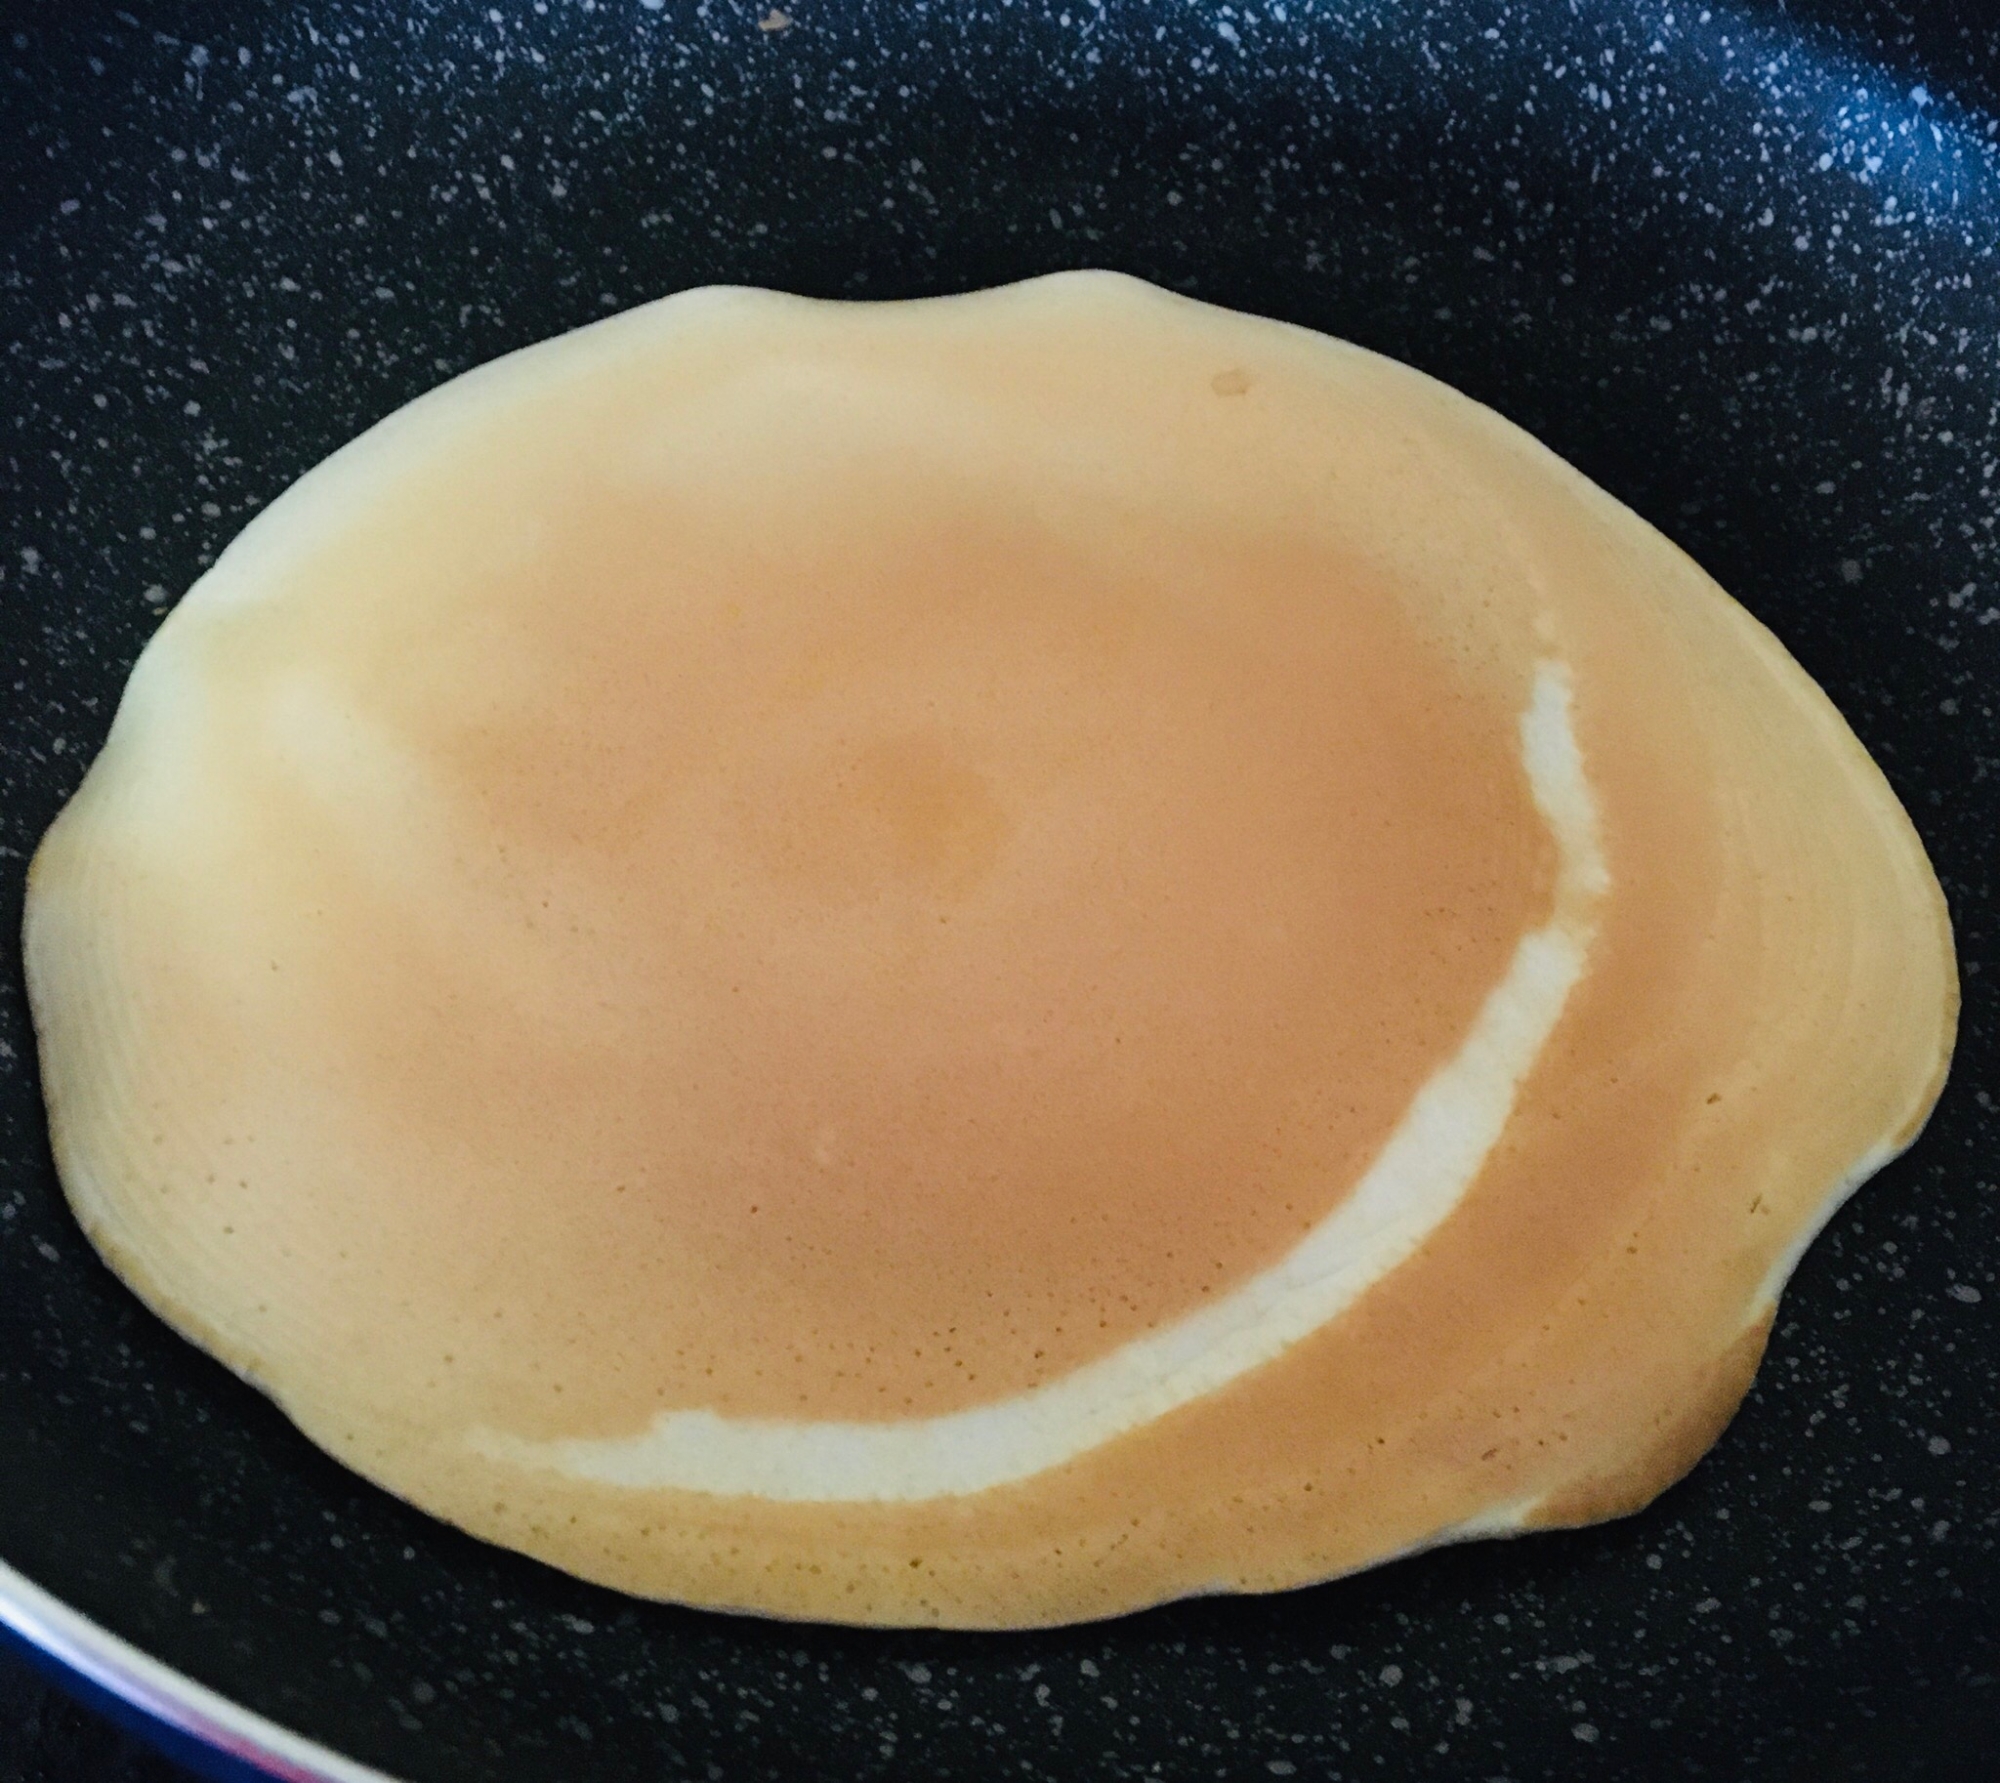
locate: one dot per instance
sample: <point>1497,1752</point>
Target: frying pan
<point>1736,262</point>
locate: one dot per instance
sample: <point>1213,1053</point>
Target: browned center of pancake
<point>875,966</point>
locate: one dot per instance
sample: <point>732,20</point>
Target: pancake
<point>975,962</point>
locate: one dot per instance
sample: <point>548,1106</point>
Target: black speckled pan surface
<point>1738,263</point>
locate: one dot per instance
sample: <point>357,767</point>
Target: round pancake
<point>975,962</point>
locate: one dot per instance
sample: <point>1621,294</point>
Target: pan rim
<point>114,1664</point>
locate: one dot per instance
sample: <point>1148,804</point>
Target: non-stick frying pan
<point>1738,263</point>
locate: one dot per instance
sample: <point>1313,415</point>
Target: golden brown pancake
<point>976,962</point>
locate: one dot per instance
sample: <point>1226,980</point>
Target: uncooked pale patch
<point>975,962</point>
<point>1413,1183</point>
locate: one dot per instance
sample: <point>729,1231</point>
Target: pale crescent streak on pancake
<point>1424,1169</point>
